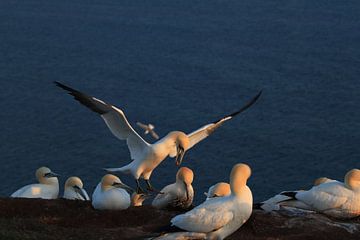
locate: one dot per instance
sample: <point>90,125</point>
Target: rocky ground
<point>62,219</point>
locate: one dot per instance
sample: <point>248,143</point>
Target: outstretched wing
<point>115,120</point>
<point>208,129</point>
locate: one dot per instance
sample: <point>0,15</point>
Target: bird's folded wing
<point>208,218</point>
<point>114,118</point>
<point>208,129</point>
<point>325,196</point>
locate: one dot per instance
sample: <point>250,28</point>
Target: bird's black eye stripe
<point>46,174</point>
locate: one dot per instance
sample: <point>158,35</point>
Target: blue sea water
<point>180,65</point>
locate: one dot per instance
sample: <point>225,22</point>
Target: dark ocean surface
<point>180,65</point>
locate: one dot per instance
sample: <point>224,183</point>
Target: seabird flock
<point>227,206</point>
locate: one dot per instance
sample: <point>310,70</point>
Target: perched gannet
<point>336,199</point>
<point>282,200</point>
<point>148,129</point>
<point>220,217</point>
<point>111,194</point>
<point>220,189</point>
<point>179,194</point>
<point>146,157</point>
<point>137,199</point>
<point>74,190</point>
<point>47,188</point>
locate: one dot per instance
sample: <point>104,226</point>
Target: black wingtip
<point>67,88</point>
<point>289,194</point>
<point>246,106</point>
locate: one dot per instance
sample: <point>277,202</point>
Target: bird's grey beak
<point>146,196</point>
<point>80,191</point>
<point>124,186</point>
<point>51,174</point>
<point>179,155</point>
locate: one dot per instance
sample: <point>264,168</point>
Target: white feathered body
<point>175,195</point>
<point>218,217</point>
<point>38,190</point>
<point>333,199</point>
<point>111,199</point>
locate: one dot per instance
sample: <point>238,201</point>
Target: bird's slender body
<point>111,194</point>
<point>145,156</point>
<point>220,217</point>
<point>73,189</point>
<point>47,188</point>
<point>179,194</point>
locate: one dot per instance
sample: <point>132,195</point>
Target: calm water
<point>180,65</point>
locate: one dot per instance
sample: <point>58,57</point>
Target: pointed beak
<point>80,191</point>
<point>51,174</point>
<point>179,155</point>
<point>124,186</point>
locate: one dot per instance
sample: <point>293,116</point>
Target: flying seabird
<point>148,129</point>
<point>146,157</point>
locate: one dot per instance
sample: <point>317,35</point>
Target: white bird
<point>336,199</point>
<point>148,129</point>
<point>47,188</point>
<point>179,194</point>
<point>74,190</point>
<point>282,200</point>
<point>146,157</point>
<point>220,189</point>
<point>220,217</point>
<point>111,194</point>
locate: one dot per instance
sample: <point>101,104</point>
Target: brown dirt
<point>63,219</point>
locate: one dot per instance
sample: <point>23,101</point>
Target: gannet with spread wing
<point>146,157</point>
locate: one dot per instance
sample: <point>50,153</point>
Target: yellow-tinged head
<point>110,181</point>
<point>240,173</point>
<point>352,179</point>
<point>185,174</point>
<point>220,189</point>
<point>137,199</point>
<point>45,176</point>
<point>181,142</point>
<point>321,180</point>
<point>74,182</point>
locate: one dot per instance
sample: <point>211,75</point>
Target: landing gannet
<point>146,157</point>
<point>111,194</point>
<point>47,188</point>
<point>148,129</point>
<point>220,217</point>
<point>336,199</point>
<point>74,190</point>
<point>179,194</point>
<point>220,189</point>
